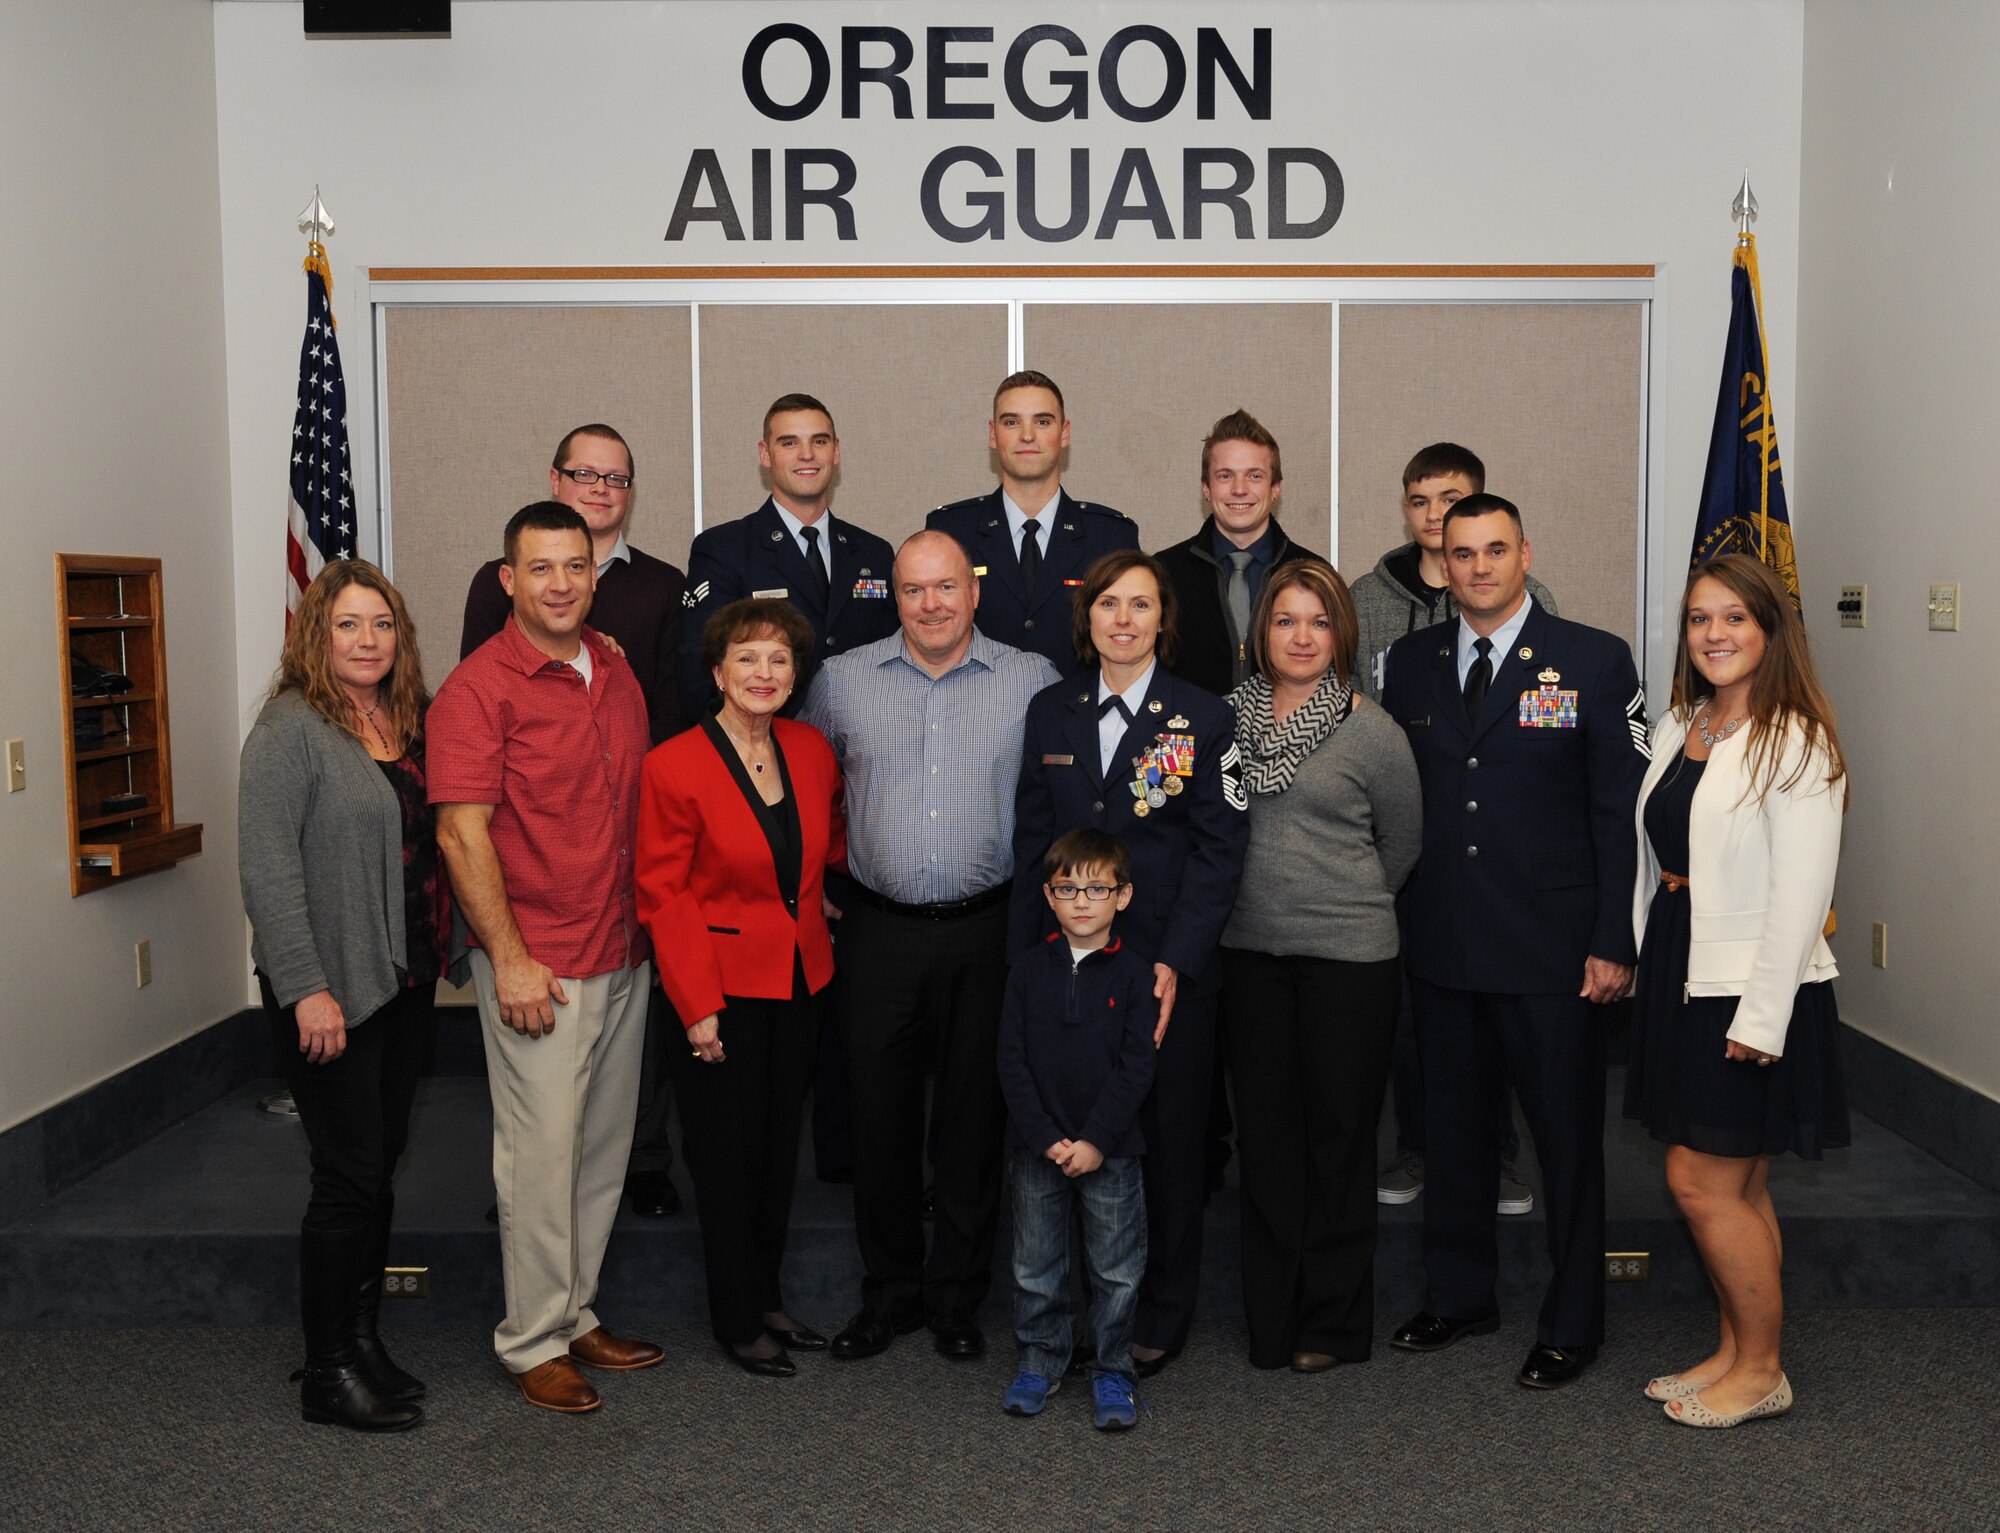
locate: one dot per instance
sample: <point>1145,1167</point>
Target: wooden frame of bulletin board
<point>1547,372</point>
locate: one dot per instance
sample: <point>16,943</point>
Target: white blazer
<point>1760,879</point>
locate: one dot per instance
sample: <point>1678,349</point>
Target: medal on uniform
<point>1548,707</point>
<point>1171,787</point>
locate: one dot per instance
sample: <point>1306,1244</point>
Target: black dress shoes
<point>1425,1332</point>
<point>956,1335</point>
<point>776,1366</point>
<point>803,1339</point>
<point>653,1194</point>
<point>1550,1367</point>
<point>868,1333</point>
<point>1147,1367</point>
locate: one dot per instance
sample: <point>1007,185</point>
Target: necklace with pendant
<point>1710,741</point>
<point>369,715</point>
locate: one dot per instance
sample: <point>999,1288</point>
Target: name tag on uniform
<point>1058,761</point>
<point>878,589</point>
<point>1422,723</point>
<point>778,593</point>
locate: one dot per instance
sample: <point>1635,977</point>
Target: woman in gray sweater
<point>1309,987</point>
<point>349,922</point>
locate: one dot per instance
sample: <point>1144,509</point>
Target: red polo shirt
<point>560,764</point>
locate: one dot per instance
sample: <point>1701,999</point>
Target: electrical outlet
<point>1878,952</point>
<point>17,765</point>
<point>406,1282</point>
<point>1943,606</point>
<point>1853,606</point>
<point>142,957</point>
<point>1627,1266</point>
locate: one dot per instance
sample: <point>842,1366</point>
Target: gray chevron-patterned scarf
<point>1272,751</point>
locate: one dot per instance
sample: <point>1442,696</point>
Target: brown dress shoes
<point>557,1386</point>
<point>600,1349</point>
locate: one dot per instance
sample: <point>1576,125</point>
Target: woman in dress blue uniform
<point>1734,1053</point>
<point>1131,749</point>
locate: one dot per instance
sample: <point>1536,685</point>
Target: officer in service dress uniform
<point>1530,738</point>
<point>1029,540</point>
<point>792,547</point>
<point>1130,748</point>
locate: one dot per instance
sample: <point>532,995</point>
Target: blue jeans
<point>1113,1204</point>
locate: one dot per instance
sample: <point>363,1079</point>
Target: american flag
<point>320,525</point>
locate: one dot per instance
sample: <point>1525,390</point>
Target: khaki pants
<point>563,1106</point>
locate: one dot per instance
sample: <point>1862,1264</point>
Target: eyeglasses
<point>1092,891</point>
<point>591,476</point>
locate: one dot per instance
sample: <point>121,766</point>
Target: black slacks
<point>742,1119</point>
<point>917,993</point>
<point>1308,1041</point>
<point>1551,1049</point>
<point>1174,1119</point>
<point>652,1144</point>
<point>356,1109</point>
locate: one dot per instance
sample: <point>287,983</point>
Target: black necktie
<point>1031,555</point>
<point>1478,678</point>
<point>1115,701</point>
<point>817,569</point>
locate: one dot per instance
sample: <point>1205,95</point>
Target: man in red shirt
<point>534,745</point>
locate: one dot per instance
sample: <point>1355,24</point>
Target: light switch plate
<point>1943,606</point>
<point>17,766</point>
<point>1854,606</point>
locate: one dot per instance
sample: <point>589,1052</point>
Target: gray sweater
<point>320,856</point>
<point>1387,608</point>
<point>1329,853</point>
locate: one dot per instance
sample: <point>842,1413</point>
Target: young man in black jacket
<point>1218,572</point>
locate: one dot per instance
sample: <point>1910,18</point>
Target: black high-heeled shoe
<point>778,1365</point>
<point>800,1338</point>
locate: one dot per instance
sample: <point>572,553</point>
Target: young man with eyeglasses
<point>638,603</point>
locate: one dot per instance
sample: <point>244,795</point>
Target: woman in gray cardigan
<point>349,918</point>
<point>1309,969</point>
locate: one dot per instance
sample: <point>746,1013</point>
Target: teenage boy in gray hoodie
<point>1406,589</point>
<point>1404,592</point>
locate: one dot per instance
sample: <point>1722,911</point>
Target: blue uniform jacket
<point>1076,535</point>
<point>756,554</point>
<point>1187,855</point>
<point>1076,1047</point>
<point>1528,854</point>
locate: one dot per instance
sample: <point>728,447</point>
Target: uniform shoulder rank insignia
<point>1548,707</point>
<point>1635,724</point>
<point>978,570</point>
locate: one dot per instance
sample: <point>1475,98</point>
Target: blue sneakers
<point>1116,1407</point>
<point>1028,1394</point>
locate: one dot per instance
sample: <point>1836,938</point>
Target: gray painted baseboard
<point>1944,1119</point>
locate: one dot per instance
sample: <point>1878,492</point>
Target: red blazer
<point>708,893</point>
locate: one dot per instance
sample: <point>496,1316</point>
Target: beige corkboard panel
<point>910,387</point>
<point>1144,382</point>
<point>478,399</point>
<point>1548,395</point>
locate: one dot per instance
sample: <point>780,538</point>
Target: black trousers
<point>742,1118</point>
<point>915,994</point>
<point>356,1109</point>
<point>1174,1119</point>
<point>652,1146</point>
<point>1550,1048</point>
<point>1308,1041</point>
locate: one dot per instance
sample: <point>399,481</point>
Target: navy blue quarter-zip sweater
<point>1076,1047</point>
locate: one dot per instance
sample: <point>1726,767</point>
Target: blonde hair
<point>306,664</point>
<point>1785,691</point>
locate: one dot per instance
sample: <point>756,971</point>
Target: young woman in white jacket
<point>1735,1053</point>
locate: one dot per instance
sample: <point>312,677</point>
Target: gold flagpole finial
<point>1744,210</point>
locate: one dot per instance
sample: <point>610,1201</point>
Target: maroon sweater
<point>638,604</point>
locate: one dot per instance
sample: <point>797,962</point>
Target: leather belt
<point>943,910</point>
<point>1674,881</point>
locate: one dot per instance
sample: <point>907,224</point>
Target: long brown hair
<point>306,664</point>
<point>1786,689</point>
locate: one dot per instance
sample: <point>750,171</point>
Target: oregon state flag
<point>1743,509</point>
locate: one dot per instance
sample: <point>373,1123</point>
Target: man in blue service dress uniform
<point>792,547</point>
<point>1530,738</point>
<point>1030,541</point>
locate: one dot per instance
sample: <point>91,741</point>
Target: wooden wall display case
<point>117,753</point>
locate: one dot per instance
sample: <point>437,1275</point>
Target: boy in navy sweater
<point>1076,1060</point>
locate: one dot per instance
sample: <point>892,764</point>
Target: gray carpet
<point>195,1429</point>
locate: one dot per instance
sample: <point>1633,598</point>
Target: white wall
<point>112,404</point>
<point>1899,324</point>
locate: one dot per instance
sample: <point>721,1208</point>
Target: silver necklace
<point>1710,741</point>
<point>747,752</point>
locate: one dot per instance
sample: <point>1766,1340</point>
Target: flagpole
<point>1744,209</point>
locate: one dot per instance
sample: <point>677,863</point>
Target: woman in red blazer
<point>739,818</point>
